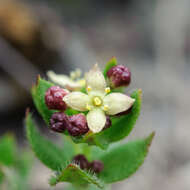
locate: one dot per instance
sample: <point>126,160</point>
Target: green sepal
<point>122,161</point>
<point>111,63</point>
<point>48,153</point>
<point>73,174</point>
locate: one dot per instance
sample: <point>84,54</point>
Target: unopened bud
<point>54,98</point>
<point>59,122</point>
<point>119,75</point>
<point>78,125</point>
<point>81,161</point>
<point>96,166</point>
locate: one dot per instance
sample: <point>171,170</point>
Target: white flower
<point>74,82</point>
<point>98,102</point>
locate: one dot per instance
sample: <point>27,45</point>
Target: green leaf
<point>49,154</point>
<point>111,63</point>
<point>38,95</point>
<point>7,150</point>
<point>121,162</point>
<point>73,174</point>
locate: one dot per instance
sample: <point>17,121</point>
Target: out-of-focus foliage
<point>14,165</point>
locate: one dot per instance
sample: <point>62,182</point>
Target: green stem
<point>86,150</point>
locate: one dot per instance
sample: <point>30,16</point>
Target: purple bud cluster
<point>59,122</point>
<point>95,166</point>
<point>76,125</point>
<point>119,75</point>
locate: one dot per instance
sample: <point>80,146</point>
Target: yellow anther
<point>106,108</point>
<point>88,107</point>
<point>97,101</point>
<point>88,88</point>
<point>107,90</point>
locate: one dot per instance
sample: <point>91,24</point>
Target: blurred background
<point>151,37</point>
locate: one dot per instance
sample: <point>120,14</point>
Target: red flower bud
<point>59,122</point>
<point>119,75</point>
<point>54,98</point>
<point>78,125</point>
<point>96,166</point>
<point>81,161</point>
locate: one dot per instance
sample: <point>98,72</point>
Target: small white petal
<point>63,80</point>
<point>77,100</point>
<point>96,120</point>
<point>117,102</point>
<point>95,80</point>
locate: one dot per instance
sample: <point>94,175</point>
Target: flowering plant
<point>90,111</point>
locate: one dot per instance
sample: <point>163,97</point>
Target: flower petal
<point>77,100</point>
<point>63,81</point>
<point>117,102</point>
<point>95,79</point>
<point>96,120</point>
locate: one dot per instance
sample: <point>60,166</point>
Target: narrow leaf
<point>121,162</point>
<point>73,174</point>
<point>49,154</point>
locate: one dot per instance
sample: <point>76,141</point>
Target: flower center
<point>97,101</point>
